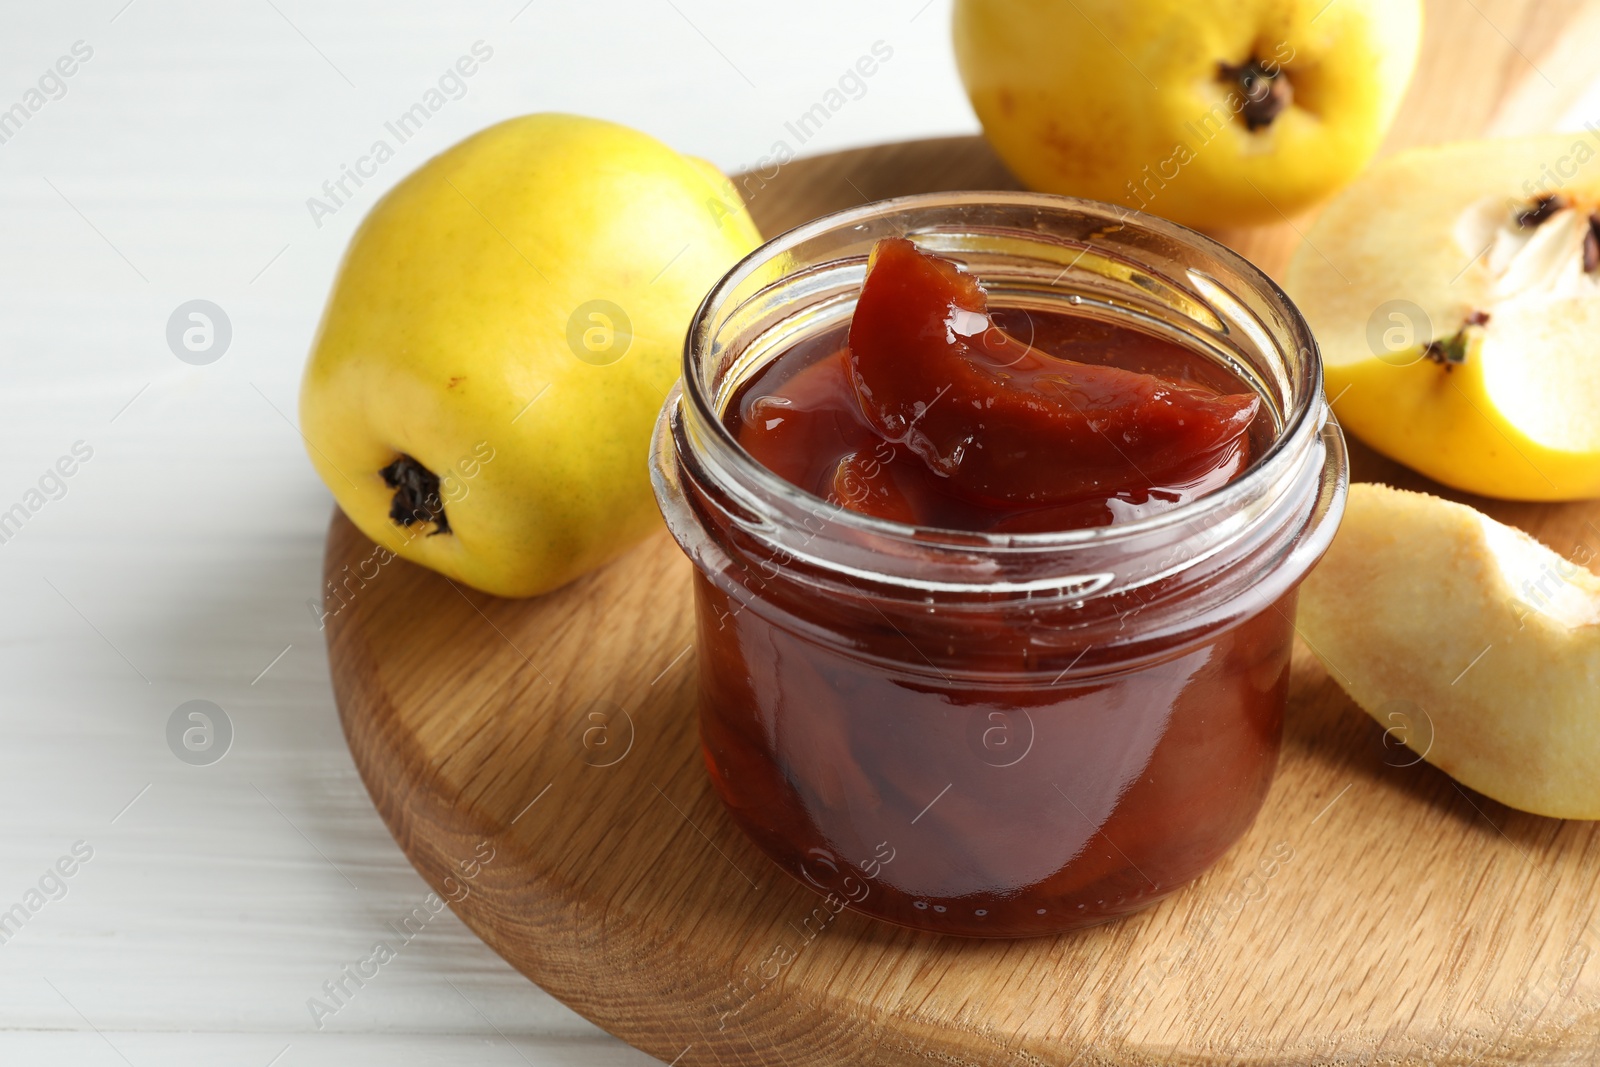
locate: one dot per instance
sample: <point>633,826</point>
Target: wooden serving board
<point>537,761</point>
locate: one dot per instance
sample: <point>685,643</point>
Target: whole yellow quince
<point>503,330</point>
<point>1455,293</point>
<point>1212,114</point>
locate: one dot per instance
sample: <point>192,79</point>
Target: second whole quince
<point>1212,114</point>
<point>500,337</point>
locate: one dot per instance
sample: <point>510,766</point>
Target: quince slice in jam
<point>1003,424</point>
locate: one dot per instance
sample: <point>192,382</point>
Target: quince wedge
<point>1455,293</point>
<point>501,334</point>
<point>1470,642</point>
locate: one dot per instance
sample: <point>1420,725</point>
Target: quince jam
<point>936,412</point>
<point>987,771</point>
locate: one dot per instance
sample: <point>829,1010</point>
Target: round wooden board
<point>537,761</point>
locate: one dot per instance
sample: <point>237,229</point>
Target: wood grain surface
<point>537,761</point>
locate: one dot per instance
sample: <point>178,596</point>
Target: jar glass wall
<point>987,734</point>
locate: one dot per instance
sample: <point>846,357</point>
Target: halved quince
<point>1455,292</point>
<point>1487,641</point>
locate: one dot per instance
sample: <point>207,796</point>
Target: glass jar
<point>984,734</point>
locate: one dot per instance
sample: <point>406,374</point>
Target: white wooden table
<point>177,560</point>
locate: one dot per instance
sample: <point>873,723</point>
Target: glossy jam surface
<point>1001,771</point>
<point>933,409</point>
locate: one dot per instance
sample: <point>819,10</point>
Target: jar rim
<point>1300,428</point>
